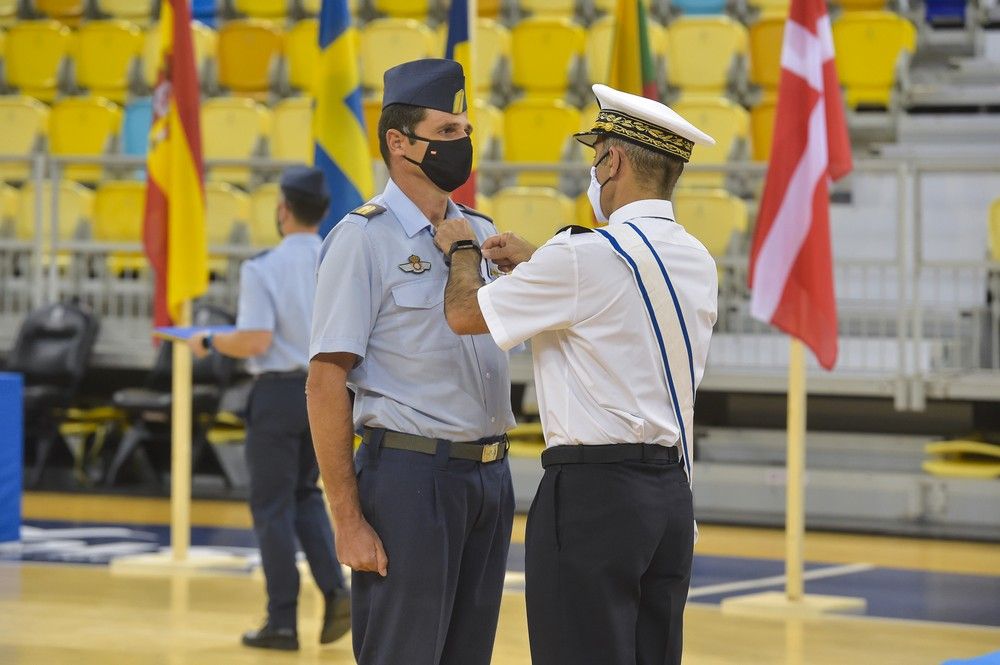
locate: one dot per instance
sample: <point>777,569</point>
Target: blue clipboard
<point>184,333</point>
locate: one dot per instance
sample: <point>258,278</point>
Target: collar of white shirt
<point>643,208</point>
<point>408,214</point>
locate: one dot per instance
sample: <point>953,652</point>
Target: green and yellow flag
<point>632,68</point>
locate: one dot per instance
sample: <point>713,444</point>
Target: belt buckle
<point>490,452</point>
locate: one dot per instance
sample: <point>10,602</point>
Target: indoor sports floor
<point>928,601</point>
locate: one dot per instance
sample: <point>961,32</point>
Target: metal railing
<point>901,334</point>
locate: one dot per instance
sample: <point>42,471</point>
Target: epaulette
<point>472,211</point>
<point>368,210</point>
<point>574,229</point>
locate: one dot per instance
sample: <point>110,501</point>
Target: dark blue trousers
<point>445,525</point>
<point>608,552</point>
<point>285,501</point>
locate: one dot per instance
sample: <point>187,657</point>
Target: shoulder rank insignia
<point>368,210</point>
<point>415,265</point>
<point>575,229</point>
<point>471,211</point>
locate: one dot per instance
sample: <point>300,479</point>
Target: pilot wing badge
<point>415,265</point>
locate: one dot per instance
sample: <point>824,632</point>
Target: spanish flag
<point>459,48</point>
<point>174,230</point>
<point>338,124</point>
<point>631,58</point>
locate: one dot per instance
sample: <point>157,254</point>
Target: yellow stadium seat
<point>371,108</point>
<point>771,7</point>
<point>9,199</point>
<point>83,126</point>
<point>727,123</point>
<point>262,8</point>
<point>25,121</point>
<point>994,231</point>
<point>8,11</point>
<point>291,135</point>
<point>484,204</point>
<point>600,41</point>
<point>33,55</point>
<point>492,49</point>
<point>868,46</point>
<point>564,8</point>
<point>302,54</point>
<point>537,130</point>
<point>387,42</point>
<point>119,208</point>
<point>247,51</point>
<point>762,129</point>
<point>534,213</point>
<point>263,227</point>
<point>232,128</point>
<point>136,11</point>
<point>487,128</point>
<point>403,8</point>
<point>711,216</point>
<point>66,11</point>
<point>701,50</point>
<point>861,5</point>
<point>104,56</point>
<point>76,205</point>
<point>544,51</point>
<point>489,8</point>
<point>205,46</point>
<point>766,37</point>
<point>225,208</point>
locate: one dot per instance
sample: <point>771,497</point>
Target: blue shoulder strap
<point>667,322</point>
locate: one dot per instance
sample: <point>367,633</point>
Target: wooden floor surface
<point>83,615</point>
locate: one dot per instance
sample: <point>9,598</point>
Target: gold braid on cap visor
<point>643,133</point>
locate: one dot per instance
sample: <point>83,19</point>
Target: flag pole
<point>795,471</point>
<point>180,451</point>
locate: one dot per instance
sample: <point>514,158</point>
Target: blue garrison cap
<point>306,181</point>
<point>431,83</point>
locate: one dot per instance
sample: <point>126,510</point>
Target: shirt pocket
<point>419,322</point>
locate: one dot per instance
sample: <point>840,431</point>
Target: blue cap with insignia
<point>305,181</point>
<point>431,83</point>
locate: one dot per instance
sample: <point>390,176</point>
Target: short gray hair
<point>654,170</point>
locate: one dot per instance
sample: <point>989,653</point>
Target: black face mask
<point>447,164</point>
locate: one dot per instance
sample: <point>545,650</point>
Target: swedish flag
<point>338,125</point>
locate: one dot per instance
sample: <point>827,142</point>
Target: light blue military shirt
<point>380,296</point>
<point>277,289</point>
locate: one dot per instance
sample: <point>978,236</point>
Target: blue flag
<point>338,124</point>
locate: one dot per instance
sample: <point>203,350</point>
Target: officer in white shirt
<point>620,320</point>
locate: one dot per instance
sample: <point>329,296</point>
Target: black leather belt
<point>608,454</point>
<point>492,449</point>
<point>290,374</point>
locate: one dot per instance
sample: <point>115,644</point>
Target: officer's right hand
<point>507,250</point>
<point>360,548</point>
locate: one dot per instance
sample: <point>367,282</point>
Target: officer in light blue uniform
<point>424,516</point>
<point>272,332</point>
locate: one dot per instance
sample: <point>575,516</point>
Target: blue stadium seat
<point>700,7</point>
<point>135,126</point>
<point>204,11</point>
<point>945,12</point>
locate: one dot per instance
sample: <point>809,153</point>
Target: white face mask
<point>594,194</point>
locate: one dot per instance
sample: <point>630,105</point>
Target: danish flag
<point>791,267</point>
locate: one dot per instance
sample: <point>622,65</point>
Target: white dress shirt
<point>598,374</point>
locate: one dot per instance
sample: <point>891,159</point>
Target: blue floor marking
<point>891,593</point>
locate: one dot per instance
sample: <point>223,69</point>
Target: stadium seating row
<point>113,213</point>
<point>540,56</point>
<point>528,130</point>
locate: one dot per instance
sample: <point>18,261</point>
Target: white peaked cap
<point>643,121</point>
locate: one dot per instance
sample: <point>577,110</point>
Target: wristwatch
<point>206,342</point>
<point>463,244</point>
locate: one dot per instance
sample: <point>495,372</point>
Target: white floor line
<point>817,574</point>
